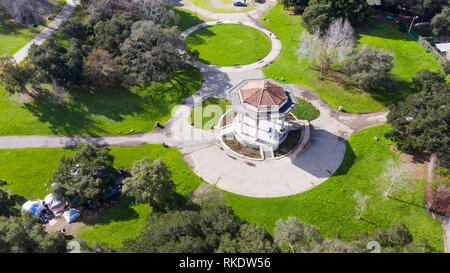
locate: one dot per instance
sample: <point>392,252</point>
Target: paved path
<point>47,31</point>
<point>269,178</point>
<point>447,233</point>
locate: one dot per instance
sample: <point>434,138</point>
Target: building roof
<point>443,47</point>
<point>263,94</point>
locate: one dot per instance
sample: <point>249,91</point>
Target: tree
<point>110,34</point>
<point>73,60</point>
<point>150,182</point>
<point>440,198</point>
<point>362,202</point>
<point>298,4</point>
<point>152,53</point>
<point>421,123</point>
<point>25,234</point>
<point>339,38</point>
<point>84,176</point>
<point>15,77</point>
<point>429,81</point>
<point>441,22</point>
<point>160,12</point>
<point>320,13</point>
<point>318,16</point>
<point>104,7</point>
<point>100,69</point>
<point>430,8</point>
<point>310,46</point>
<point>369,67</point>
<point>250,239</point>
<point>7,204</point>
<point>49,59</point>
<point>23,11</point>
<point>336,41</point>
<point>397,235</point>
<point>396,173</point>
<point>296,236</point>
<point>72,27</point>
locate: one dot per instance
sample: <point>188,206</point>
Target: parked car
<point>239,4</point>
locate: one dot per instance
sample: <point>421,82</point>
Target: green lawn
<point>331,207</point>
<point>14,36</point>
<point>209,112</point>
<point>27,171</point>
<point>224,7</point>
<point>107,112</point>
<point>305,110</point>
<point>228,44</point>
<point>409,58</point>
<point>187,19</point>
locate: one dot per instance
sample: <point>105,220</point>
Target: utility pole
<point>415,17</point>
<point>292,31</point>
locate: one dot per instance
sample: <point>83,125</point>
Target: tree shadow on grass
<point>119,212</point>
<point>185,20</point>
<point>68,119</point>
<point>112,103</point>
<point>383,29</point>
<point>406,202</point>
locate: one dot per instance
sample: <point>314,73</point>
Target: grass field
<point>27,171</point>
<point>14,36</point>
<point>305,110</point>
<point>209,112</point>
<point>228,44</point>
<point>186,19</point>
<point>330,206</point>
<point>409,58</point>
<point>107,112</point>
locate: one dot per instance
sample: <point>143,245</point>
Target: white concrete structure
<point>261,106</point>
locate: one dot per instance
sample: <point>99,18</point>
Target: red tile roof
<point>263,94</point>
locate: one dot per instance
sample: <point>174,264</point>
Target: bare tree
<point>159,12</point>
<point>338,40</point>
<point>24,11</point>
<point>104,7</point>
<point>339,37</point>
<point>100,69</point>
<point>362,202</point>
<point>310,46</point>
<point>397,174</point>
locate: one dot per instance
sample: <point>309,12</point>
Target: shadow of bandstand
<point>327,154</point>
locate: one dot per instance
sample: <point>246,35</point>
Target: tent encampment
<point>71,215</point>
<point>52,202</point>
<point>35,207</point>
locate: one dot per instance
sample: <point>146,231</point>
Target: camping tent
<point>71,215</point>
<point>35,207</point>
<point>52,202</point>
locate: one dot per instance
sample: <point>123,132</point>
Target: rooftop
<point>263,94</point>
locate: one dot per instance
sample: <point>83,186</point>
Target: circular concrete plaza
<point>261,48</point>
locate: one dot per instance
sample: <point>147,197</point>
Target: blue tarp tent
<point>71,215</point>
<point>35,207</point>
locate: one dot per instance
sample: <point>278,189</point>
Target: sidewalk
<point>47,31</point>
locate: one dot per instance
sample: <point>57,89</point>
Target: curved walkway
<point>270,178</point>
<point>273,54</point>
<point>47,31</point>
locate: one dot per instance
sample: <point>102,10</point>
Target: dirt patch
<point>418,165</point>
<point>87,216</point>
